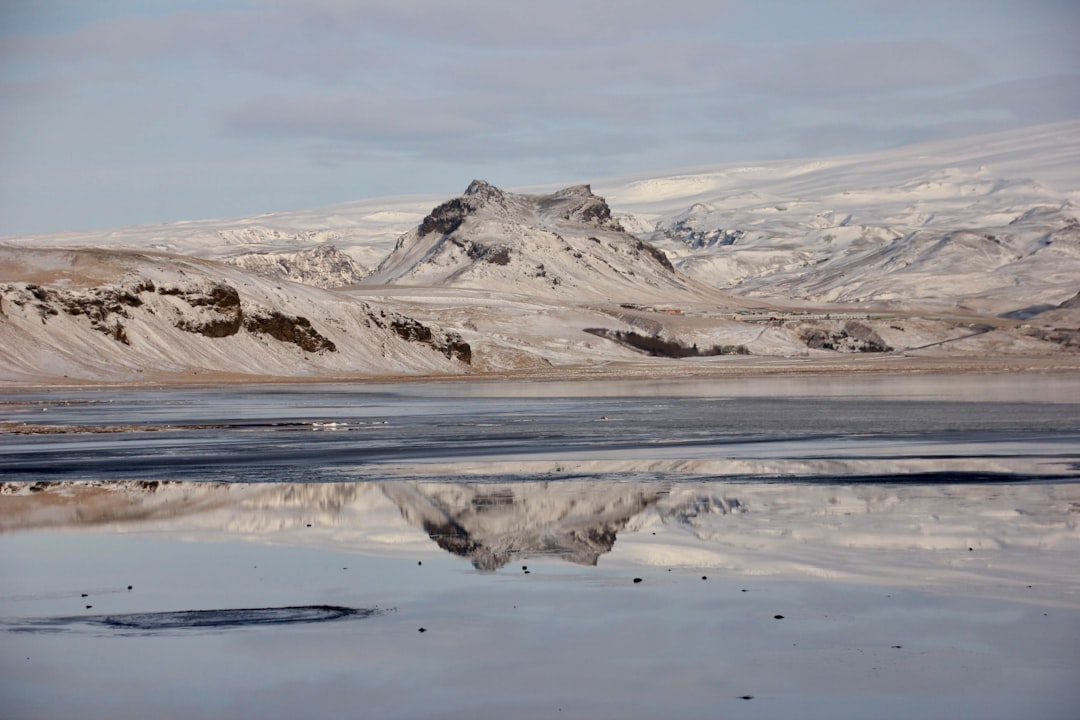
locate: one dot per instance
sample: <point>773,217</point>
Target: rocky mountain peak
<point>483,190</point>
<point>549,244</point>
<point>585,207</point>
<point>447,217</point>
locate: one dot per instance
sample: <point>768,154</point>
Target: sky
<point>120,112</point>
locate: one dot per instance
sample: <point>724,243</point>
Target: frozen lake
<point>569,550</point>
<point>925,429</point>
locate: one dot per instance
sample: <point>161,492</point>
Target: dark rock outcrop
<point>104,307</point>
<point>218,309</point>
<point>287,328</point>
<point>656,346</point>
<point>656,254</point>
<point>448,343</point>
<point>852,337</point>
<point>580,205</point>
<point>695,239</point>
<point>447,218</point>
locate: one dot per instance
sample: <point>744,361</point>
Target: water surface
<point>835,549</point>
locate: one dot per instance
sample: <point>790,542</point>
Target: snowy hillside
<point>988,222</point>
<point>119,315</point>
<point>365,230</point>
<point>322,266</point>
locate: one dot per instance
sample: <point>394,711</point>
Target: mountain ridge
<point>963,248</point>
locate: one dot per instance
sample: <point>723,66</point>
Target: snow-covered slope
<point>366,230</point>
<point>990,222</point>
<point>322,266</point>
<point>121,315</point>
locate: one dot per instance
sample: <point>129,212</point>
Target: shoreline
<point>661,370</point>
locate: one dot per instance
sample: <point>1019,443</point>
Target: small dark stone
<point>528,572</point>
<point>89,606</point>
<point>309,524</point>
<point>778,617</point>
<point>897,647</point>
<point>419,562</point>
<point>746,697</point>
<point>129,587</point>
<point>704,577</point>
<point>971,549</point>
<point>85,595</point>
<point>637,580</point>
<point>423,629</point>
<point>743,590</point>
<point>524,567</point>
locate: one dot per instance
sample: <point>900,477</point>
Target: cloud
<point>350,117</point>
<point>1033,100</point>
<point>346,128</point>
<point>508,25</point>
<point>857,69</point>
<point>323,38</point>
<point>413,88</point>
<point>849,138</point>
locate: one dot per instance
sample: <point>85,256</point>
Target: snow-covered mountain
<point>365,230</point>
<point>953,236</point>
<point>989,222</point>
<point>966,247</point>
<point>563,244</point>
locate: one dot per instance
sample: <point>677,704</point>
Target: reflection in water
<point>899,533</point>
<point>492,525</point>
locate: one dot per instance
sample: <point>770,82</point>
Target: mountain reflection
<point>492,525</point>
<point>898,532</point>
